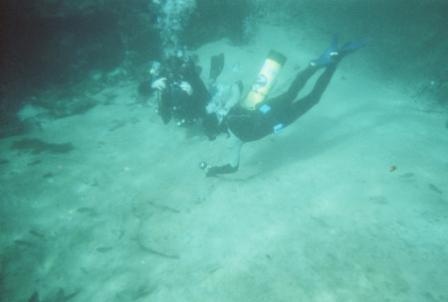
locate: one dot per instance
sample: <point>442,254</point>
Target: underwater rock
<point>61,8</point>
<point>72,107</point>
<point>230,19</point>
<point>63,104</point>
<point>10,125</point>
<point>34,297</point>
<point>37,146</point>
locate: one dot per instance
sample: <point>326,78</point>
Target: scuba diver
<point>181,93</point>
<point>257,117</point>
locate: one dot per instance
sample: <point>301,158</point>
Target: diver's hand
<point>216,170</point>
<point>185,86</point>
<point>210,171</point>
<point>159,84</point>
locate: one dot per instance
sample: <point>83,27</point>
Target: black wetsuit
<point>176,103</point>
<point>273,114</point>
<point>276,113</point>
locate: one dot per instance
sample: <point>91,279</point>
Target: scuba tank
<point>265,80</point>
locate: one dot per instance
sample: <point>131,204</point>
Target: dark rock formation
<point>52,43</point>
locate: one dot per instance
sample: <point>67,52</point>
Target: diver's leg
<point>329,59</point>
<point>326,59</point>
<point>298,83</point>
<point>301,106</point>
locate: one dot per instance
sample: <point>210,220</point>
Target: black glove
<point>226,169</point>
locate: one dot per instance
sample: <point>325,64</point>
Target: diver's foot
<point>325,60</point>
<point>327,57</point>
<point>352,46</point>
<point>335,53</point>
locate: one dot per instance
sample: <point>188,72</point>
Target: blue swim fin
<point>352,46</point>
<point>334,53</point>
<point>325,58</point>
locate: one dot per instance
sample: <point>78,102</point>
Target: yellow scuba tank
<point>265,80</point>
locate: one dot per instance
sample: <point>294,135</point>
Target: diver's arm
<point>224,169</point>
<point>231,167</point>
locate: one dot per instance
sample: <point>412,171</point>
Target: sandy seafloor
<point>348,204</point>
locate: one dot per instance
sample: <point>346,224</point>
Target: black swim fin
<point>216,66</point>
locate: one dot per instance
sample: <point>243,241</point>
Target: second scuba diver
<point>180,92</point>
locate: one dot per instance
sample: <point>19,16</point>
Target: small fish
<point>34,162</point>
<point>164,208</point>
<point>103,249</point>
<point>48,175</point>
<point>37,234</point>
<point>407,175</point>
<point>87,211</point>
